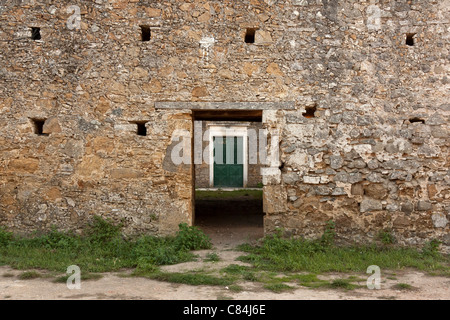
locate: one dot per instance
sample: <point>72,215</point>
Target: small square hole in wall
<point>250,35</point>
<point>141,128</point>
<point>410,39</point>
<point>35,33</point>
<point>310,112</point>
<point>145,33</point>
<point>416,120</point>
<point>38,127</point>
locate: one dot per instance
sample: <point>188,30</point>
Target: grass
<point>278,287</point>
<point>194,279</point>
<point>342,284</point>
<point>235,288</point>
<point>84,277</point>
<point>28,275</point>
<point>277,263</point>
<point>403,287</point>
<point>296,255</point>
<point>217,195</point>
<point>101,249</point>
<point>212,257</point>
<point>311,281</point>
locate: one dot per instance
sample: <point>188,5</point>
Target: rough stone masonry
<point>357,92</point>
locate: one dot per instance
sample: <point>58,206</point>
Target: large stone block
<point>24,165</point>
<point>368,205</point>
<point>439,220</point>
<point>274,199</point>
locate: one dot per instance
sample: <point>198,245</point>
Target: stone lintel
<point>288,105</point>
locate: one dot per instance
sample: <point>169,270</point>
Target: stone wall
<point>366,144</point>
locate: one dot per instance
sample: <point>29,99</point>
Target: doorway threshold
<point>226,189</point>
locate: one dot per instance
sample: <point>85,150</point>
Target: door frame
<point>222,131</point>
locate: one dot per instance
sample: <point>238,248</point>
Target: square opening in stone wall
<point>250,35</point>
<point>35,33</point>
<point>416,120</point>
<point>141,128</point>
<point>410,39</point>
<point>145,33</point>
<point>310,112</point>
<point>38,127</point>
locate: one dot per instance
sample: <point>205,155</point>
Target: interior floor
<point>230,221</point>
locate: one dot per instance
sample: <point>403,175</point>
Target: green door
<point>228,162</point>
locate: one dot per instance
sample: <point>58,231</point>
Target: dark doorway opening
<point>228,210</point>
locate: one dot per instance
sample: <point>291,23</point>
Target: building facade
<point>98,101</point>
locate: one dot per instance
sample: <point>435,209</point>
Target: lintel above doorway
<point>287,105</point>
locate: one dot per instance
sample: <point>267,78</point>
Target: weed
<point>342,284</point>
<point>28,275</point>
<point>191,238</point>
<point>242,271</point>
<point>84,277</point>
<point>212,257</point>
<point>329,234</point>
<point>403,286</point>
<point>386,237</point>
<point>249,276</point>
<point>5,237</point>
<point>101,248</point>
<point>310,280</point>
<point>310,277</point>
<point>294,255</point>
<point>235,288</point>
<point>235,269</point>
<point>431,248</point>
<point>101,231</point>
<point>191,278</point>
<point>278,287</point>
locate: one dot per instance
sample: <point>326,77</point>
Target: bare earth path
<point>115,286</point>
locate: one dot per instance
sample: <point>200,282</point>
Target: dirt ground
<point>225,235</point>
<point>113,286</point>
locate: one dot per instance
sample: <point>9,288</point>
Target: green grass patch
<point>194,279</point>
<point>212,257</point>
<point>311,281</point>
<point>102,248</point>
<point>403,287</point>
<point>297,255</point>
<point>235,269</point>
<point>244,272</point>
<point>345,284</point>
<point>84,277</point>
<point>28,275</point>
<point>235,288</point>
<point>278,287</point>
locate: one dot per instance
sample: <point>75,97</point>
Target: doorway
<point>228,187</point>
<point>228,167</point>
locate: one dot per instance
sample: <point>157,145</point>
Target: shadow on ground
<point>230,221</point>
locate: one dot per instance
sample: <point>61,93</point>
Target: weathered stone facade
<point>356,91</point>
